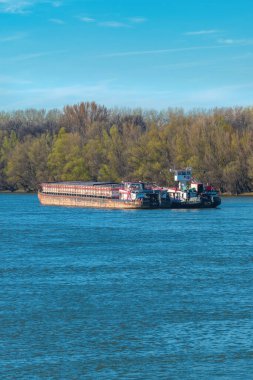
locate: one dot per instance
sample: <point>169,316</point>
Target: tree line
<point>88,141</point>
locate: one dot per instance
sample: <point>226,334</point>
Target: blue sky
<point>126,53</point>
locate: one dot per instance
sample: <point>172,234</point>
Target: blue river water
<point>136,294</point>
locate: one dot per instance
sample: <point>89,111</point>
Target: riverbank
<point>237,195</point>
<point>248,194</point>
<point>17,192</point>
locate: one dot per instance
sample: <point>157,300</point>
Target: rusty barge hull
<point>79,201</point>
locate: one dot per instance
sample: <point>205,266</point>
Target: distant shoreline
<point>226,195</point>
<point>17,192</point>
<point>237,195</point>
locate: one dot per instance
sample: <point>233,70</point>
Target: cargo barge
<point>187,193</point>
<point>125,195</point>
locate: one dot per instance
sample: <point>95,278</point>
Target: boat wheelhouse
<point>189,193</point>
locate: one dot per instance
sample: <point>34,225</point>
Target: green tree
<point>114,168</point>
<point>66,160</point>
<point>7,146</point>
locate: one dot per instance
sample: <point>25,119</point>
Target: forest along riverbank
<point>88,141</point>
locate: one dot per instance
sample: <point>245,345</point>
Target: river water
<point>136,294</point>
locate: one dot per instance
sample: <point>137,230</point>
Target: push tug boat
<point>125,195</point>
<point>192,194</point>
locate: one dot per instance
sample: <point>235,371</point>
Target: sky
<point>152,54</point>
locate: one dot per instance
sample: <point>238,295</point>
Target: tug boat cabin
<point>189,193</point>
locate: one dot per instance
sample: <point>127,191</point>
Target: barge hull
<point>76,201</point>
<point>188,205</point>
